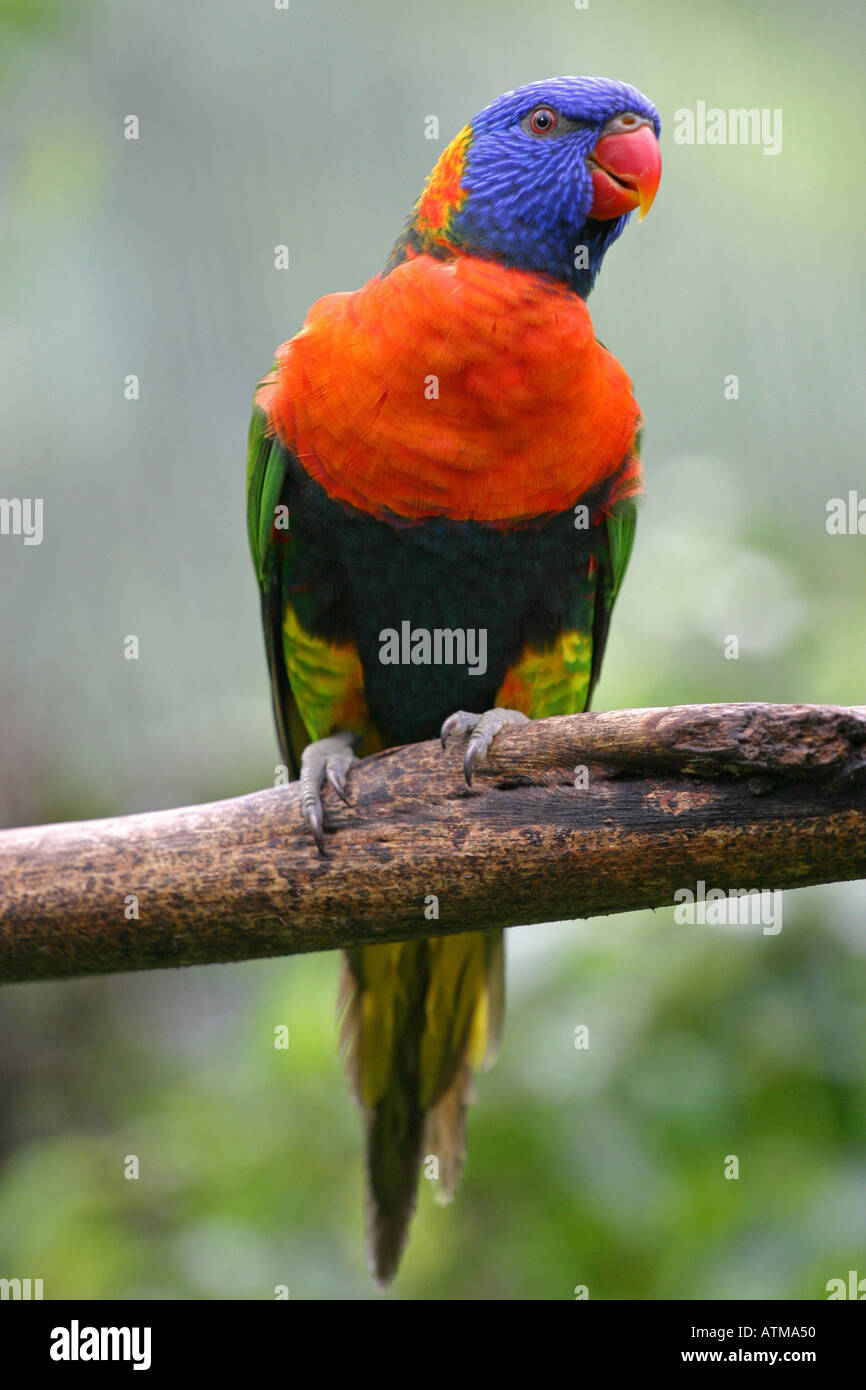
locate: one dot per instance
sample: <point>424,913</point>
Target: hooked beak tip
<point>627,168</point>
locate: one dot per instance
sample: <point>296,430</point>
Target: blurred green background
<point>155,257</point>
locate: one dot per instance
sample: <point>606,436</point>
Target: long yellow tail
<point>418,1018</point>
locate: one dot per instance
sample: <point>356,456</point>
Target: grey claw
<point>337,779</point>
<point>449,725</point>
<point>473,748</point>
<point>313,817</point>
<point>467,766</point>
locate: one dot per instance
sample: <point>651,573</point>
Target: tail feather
<point>494,949</point>
<point>395,1129</point>
<point>417,1018</point>
<point>445,1132</point>
<point>382,993</point>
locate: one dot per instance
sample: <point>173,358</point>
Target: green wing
<point>620,539</point>
<point>317,685</point>
<point>613,563</point>
<point>266,470</point>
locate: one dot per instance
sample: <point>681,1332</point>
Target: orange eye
<point>542,120</point>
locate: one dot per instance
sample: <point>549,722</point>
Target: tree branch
<point>739,796</point>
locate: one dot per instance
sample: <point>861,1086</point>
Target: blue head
<point>544,178</point>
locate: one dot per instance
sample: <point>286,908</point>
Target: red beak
<point>626,170</point>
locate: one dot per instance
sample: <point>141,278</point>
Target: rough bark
<point>739,796</point>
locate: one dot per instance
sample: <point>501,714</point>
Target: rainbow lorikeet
<point>449,451</point>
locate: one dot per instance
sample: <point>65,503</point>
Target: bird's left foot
<point>483,727</point>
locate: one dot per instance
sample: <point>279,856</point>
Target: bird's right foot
<point>326,757</point>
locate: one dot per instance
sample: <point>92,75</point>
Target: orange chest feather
<point>452,388</point>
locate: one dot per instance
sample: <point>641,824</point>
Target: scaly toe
<point>483,727</point>
<point>460,722</point>
<point>326,757</point>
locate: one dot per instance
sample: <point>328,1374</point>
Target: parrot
<point>450,447</point>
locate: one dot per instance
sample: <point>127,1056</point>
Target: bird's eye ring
<point>542,120</point>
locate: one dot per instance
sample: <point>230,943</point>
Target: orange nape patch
<point>453,388</point>
<point>444,194</point>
